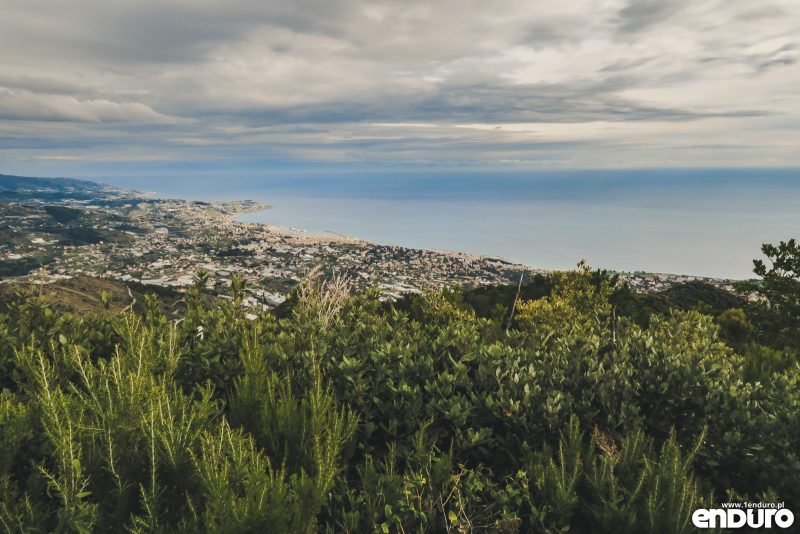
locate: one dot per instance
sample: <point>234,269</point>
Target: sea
<point>703,222</point>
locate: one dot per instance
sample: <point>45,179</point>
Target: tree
<point>734,327</point>
<point>777,311</point>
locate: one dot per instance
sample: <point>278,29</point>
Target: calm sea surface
<point>706,222</point>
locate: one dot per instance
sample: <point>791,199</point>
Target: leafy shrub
<point>344,414</point>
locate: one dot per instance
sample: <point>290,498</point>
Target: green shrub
<point>602,486</point>
<point>345,414</point>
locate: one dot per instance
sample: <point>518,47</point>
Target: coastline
<point>302,235</point>
<point>177,235</point>
<point>297,234</point>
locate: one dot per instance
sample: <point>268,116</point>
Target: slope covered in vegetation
<point>347,415</point>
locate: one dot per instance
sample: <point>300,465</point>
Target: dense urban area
<point>55,229</point>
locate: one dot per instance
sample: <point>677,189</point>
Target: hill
<point>19,187</point>
<point>497,300</point>
<point>694,295</point>
<point>83,294</point>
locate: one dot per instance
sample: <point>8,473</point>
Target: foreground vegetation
<point>578,408</point>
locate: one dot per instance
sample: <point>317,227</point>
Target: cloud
<point>43,85</point>
<point>57,157</point>
<point>309,81</point>
<point>639,15</point>
<point>29,106</point>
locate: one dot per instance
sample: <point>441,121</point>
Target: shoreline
<point>233,211</point>
<point>295,233</point>
<point>336,237</point>
<point>300,235</point>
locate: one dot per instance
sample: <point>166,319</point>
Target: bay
<point>708,222</point>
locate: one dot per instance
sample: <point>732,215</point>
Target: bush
<point>344,414</point>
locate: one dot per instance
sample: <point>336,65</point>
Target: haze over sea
<point>699,222</point>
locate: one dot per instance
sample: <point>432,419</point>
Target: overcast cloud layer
<point>112,85</point>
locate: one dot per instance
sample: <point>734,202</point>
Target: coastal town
<point>59,230</point>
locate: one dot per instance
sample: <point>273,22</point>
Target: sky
<point>111,87</point>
